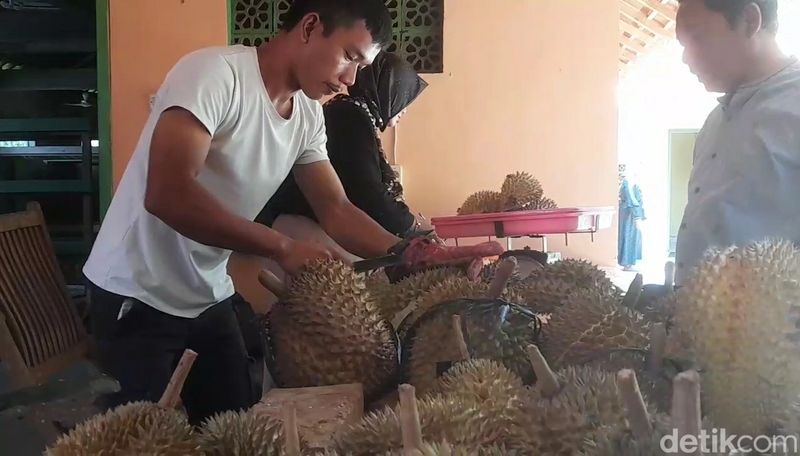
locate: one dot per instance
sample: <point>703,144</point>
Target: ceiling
<point>642,25</point>
<point>48,58</point>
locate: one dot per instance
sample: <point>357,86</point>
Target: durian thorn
<point>658,344</point>
<point>290,429</point>
<point>638,418</point>
<point>546,380</point>
<point>502,275</point>
<point>172,393</point>
<point>634,292</point>
<point>272,283</point>
<point>458,333</point>
<point>686,413</point>
<point>410,427</point>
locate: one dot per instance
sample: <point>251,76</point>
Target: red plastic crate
<point>525,223</point>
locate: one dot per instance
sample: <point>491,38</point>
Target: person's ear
<point>752,19</point>
<point>307,26</point>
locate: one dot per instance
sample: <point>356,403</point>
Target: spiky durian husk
<point>241,433</point>
<point>447,290</point>
<point>133,428</point>
<point>591,324</point>
<point>544,204</point>
<point>446,449</point>
<point>493,329</point>
<point>789,423</point>
<point>740,311</point>
<point>394,297</point>
<point>562,424</point>
<point>544,294</point>
<point>656,387</point>
<point>520,191</point>
<point>449,418</point>
<point>480,380</point>
<point>581,273</point>
<point>329,331</point>
<point>620,441</point>
<point>481,203</point>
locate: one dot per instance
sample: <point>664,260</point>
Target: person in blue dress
<point>631,214</point>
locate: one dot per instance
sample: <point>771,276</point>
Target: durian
<point>591,324</point>
<point>481,203</point>
<point>579,273</point>
<point>739,310</point>
<point>565,410</point>
<point>241,433</point>
<point>393,298</point>
<point>447,290</point>
<point>492,329</point>
<point>327,330</point>
<point>521,191</point>
<point>133,428</point>
<point>544,204</point>
<point>446,449</point>
<point>442,418</point>
<point>480,380</point>
<point>647,440</point>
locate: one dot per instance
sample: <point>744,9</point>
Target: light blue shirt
<point>745,182</point>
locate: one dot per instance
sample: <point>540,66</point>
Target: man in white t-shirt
<point>228,125</point>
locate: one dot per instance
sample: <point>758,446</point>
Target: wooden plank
<point>45,186</point>
<point>637,17</point>
<point>20,375</point>
<point>56,124</point>
<point>321,410</point>
<point>663,9</point>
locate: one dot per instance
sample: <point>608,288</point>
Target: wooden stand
<point>319,411</point>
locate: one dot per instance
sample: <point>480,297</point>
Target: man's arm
<point>178,150</point>
<point>344,222</point>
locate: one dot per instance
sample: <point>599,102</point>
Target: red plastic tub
<point>525,223</point>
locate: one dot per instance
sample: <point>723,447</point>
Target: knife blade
<point>376,263</point>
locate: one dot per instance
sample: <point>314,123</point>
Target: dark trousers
<point>141,350</point>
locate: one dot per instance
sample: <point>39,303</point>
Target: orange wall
<point>147,37</point>
<point>529,86</point>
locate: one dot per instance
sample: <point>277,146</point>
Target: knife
<point>377,263</point>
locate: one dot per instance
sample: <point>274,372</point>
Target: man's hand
<point>298,254</point>
<point>349,226</point>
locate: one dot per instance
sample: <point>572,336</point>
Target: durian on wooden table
<point>321,410</point>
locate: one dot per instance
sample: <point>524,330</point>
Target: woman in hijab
<point>378,99</point>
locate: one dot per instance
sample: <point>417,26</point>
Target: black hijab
<point>388,86</point>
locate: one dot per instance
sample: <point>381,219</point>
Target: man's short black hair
<point>733,10</point>
<point>343,13</point>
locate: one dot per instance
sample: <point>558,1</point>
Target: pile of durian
<point>520,192</point>
<point>556,362</point>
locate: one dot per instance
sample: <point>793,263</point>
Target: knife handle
<point>272,283</point>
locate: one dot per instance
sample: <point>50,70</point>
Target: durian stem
<point>290,429</point>
<point>686,412</point>
<point>658,344</point>
<point>172,393</point>
<point>409,420</point>
<point>634,292</point>
<point>272,283</point>
<point>637,414</point>
<point>669,275</point>
<point>461,342</point>
<point>502,275</point>
<point>546,380</point>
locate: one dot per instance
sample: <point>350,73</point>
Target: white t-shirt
<point>252,151</point>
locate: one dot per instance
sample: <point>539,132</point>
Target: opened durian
<point>591,324</point>
<point>327,330</point>
<point>521,191</point>
<point>740,311</point>
<point>133,428</point>
<point>482,202</point>
<point>241,433</point>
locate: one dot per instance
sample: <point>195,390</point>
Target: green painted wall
<point>681,150</point>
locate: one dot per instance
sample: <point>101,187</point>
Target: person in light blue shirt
<point>745,181</point>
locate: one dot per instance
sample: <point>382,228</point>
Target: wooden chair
<point>40,330</point>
